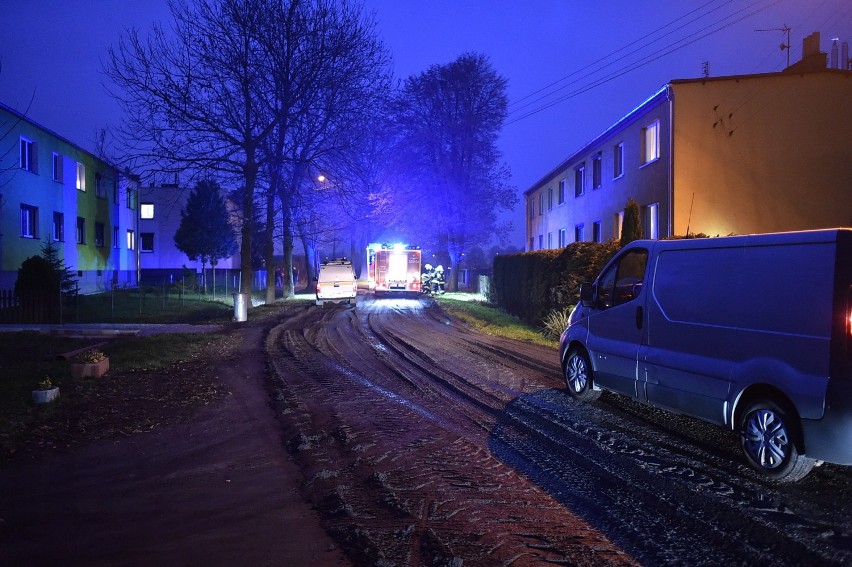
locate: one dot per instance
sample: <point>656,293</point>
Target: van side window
<point>622,282</point>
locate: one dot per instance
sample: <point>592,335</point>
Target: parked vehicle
<point>753,333</point>
<point>336,282</point>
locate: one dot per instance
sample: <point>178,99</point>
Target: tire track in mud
<point>402,480</point>
<point>424,442</point>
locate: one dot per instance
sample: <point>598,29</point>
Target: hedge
<point>530,285</point>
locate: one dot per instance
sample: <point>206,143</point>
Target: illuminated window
<point>579,179</point>
<point>579,233</point>
<point>651,142</point>
<point>596,171</point>
<point>652,221</point>
<point>81,230</point>
<point>618,221</point>
<point>562,185</point>
<point>57,167</point>
<point>58,227</point>
<point>81,177</point>
<point>29,221</point>
<point>29,155</point>
<point>131,240</point>
<point>146,210</point>
<point>146,241</point>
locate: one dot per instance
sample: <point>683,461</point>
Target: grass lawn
<point>490,320</point>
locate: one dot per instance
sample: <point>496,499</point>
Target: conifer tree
<point>632,228</point>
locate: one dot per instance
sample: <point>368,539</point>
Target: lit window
<point>651,142</point>
<point>81,230</point>
<point>618,160</point>
<point>146,241</point>
<point>29,156</point>
<point>596,171</point>
<point>146,210</point>
<point>579,179</point>
<point>57,167</point>
<point>100,234</point>
<point>29,221</point>
<point>81,177</point>
<point>58,227</point>
<point>618,220</point>
<point>652,221</point>
<point>579,233</point>
<point>562,185</point>
<point>131,240</point>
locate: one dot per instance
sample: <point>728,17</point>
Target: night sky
<point>592,62</point>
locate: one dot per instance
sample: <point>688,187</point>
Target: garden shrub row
<point>530,285</point>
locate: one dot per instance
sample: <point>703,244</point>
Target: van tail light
<point>319,287</point>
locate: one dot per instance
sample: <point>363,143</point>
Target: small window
<point>100,186</point>
<point>563,238</point>
<point>131,240</point>
<point>115,191</point>
<point>146,211</point>
<point>57,167</point>
<point>549,240</point>
<point>597,163</point>
<point>58,226</point>
<point>531,206</point>
<point>100,234</point>
<point>579,179</point>
<point>81,177</point>
<point>562,184</point>
<point>29,155</point>
<point>540,241</point>
<point>541,203</point>
<point>550,198</point>
<point>132,196</point>
<point>651,226</point>
<point>115,241</point>
<point>146,241</point>
<point>81,230</point>
<point>579,233</point>
<point>532,244</point>
<point>618,160</point>
<point>651,142</point>
<point>29,221</point>
<point>596,231</point>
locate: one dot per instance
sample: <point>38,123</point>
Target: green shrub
<point>556,321</point>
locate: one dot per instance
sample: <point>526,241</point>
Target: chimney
<point>812,58</point>
<point>845,62</point>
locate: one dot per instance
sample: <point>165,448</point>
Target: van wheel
<point>768,436</point>
<point>578,376</point>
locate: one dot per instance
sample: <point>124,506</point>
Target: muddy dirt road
<point>428,444</point>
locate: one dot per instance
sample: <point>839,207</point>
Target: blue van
<point>753,333</point>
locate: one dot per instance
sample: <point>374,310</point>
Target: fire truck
<point>393,268</point>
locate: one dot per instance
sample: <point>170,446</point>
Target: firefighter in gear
<point>426,279</point>
<point>438,280</point>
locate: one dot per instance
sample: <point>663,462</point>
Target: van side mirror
<point>587,295</point>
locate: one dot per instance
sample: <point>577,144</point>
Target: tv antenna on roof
<point>785,29</point>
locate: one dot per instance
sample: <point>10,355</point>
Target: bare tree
<point>449,119</point>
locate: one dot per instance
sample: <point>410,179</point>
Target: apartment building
<point>716,155</point>
<point>51,188</point>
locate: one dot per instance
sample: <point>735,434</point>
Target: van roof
<point>793,237</point>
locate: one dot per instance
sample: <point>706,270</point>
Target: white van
<point>336,282</point>
<point>753,333</point>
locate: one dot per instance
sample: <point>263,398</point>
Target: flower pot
<point>45,396</point>
<point>89,370</point>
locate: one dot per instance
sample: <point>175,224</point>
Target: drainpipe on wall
<point>670,96</point>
